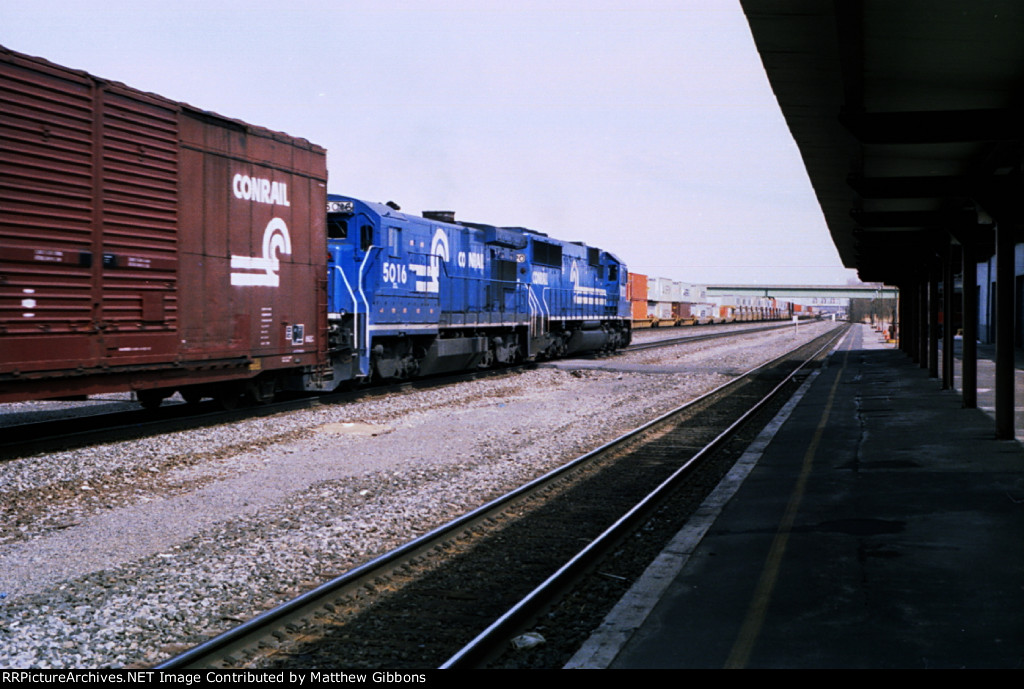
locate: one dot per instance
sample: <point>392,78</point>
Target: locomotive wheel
<point>487,360</point>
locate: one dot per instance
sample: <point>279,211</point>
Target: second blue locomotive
<point>410,296</point>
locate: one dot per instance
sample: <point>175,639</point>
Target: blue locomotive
<point>411,296</point>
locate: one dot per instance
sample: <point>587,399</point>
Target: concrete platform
<point>986,382</point>
<point>876,525</point>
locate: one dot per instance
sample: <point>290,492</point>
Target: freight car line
<point>65,433</point>
<point>669,341</point>
<point>70,432</point>
<point>61,434</point>
<point>203,256</point>
<point>414,608</point>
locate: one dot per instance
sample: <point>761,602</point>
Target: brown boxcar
<point>148,245</point>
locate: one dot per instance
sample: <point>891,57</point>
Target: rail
<point>232,646</point>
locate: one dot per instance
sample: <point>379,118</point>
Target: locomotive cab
<point>350,238</point>
<point>405,293</point>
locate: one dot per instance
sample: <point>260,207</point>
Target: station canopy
<point>908,115</point>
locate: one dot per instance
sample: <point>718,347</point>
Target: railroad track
<point>703,336</point>
<point>80,431</point>
<point>454,597</point>
<point>69,431</point>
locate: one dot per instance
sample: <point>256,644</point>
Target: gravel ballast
<point>125,554</point>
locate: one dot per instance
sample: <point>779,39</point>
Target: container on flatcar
<point>681,313</point>
<point>662,310</point>
<point>660,289</point>
<point>695,294</point>
<point>637,294</point>
<point>636,290</point>
<point>726,309</point>
<point>697,305</point>
<point>638,310</point>
<point>148,245</point>
<point>703,313</point>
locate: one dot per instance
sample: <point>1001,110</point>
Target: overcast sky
<point>645,127</point>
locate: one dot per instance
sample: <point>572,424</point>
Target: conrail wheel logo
<point>263,270</point>
<point>581,294</point>
<point>432,270</point>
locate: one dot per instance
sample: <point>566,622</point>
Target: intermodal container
<point>637,288</point>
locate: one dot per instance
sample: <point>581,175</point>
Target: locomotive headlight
<point>340,207</point>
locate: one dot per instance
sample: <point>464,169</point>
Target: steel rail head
<point>235,638</point>
<point>477,649</point>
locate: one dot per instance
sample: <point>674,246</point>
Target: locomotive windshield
<point>337,228</point>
